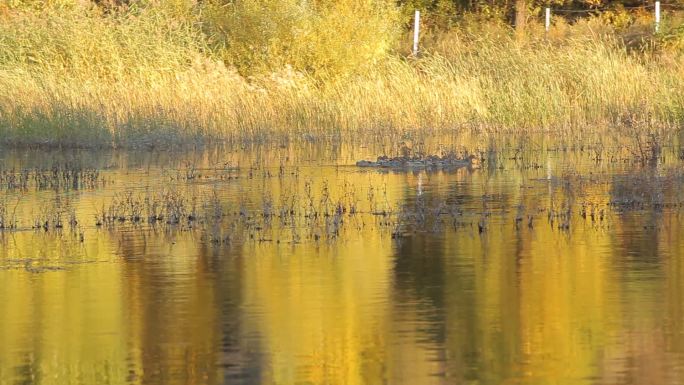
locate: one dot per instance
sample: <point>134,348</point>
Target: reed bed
<point>155,78</point>
<point>320,215</point>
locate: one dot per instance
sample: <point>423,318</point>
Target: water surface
<point>542,267</point>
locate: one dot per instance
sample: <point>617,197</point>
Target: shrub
<point>320,37</point>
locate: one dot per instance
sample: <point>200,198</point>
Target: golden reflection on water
<point>597,304</point>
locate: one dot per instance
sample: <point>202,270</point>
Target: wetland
<point>341,192</point>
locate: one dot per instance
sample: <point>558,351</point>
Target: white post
<point>657,16</point>
<point>547,22</point>
<point>416,33</point>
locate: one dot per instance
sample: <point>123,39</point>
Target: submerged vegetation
<point>146,74</point>
<point>225,202</point>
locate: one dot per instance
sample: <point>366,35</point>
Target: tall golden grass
<point>175,74</point>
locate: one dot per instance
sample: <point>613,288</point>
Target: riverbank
<point>138,81</point>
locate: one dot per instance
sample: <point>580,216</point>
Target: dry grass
<point>152,78</point>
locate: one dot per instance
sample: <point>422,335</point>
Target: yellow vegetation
<point>183,72</point>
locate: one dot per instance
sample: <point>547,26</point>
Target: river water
<point>289,265</point>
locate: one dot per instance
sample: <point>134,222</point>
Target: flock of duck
<point>420,162</point>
